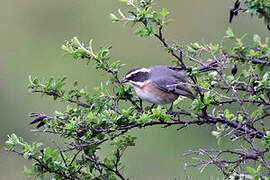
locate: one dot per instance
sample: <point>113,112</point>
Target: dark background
<point>31,34</point>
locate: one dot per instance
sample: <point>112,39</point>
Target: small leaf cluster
<point>45,158</point>
<point>88,121</point>
<point>222,129</point>
<point>256,53</point>
<point>259,6</point>
<point>255,173</point>
<point>63,165</point>
<point>148,20</point>
<point>266,140</point>
<point>252,173</point>
<point>78,51</point>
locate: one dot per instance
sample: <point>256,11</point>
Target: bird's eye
<point>139,77</point>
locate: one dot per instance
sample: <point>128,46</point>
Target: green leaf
<point>169,21</point>
<point>113,17</point>
<point>252,171</point>
<point>47,153</point>
<point>259,168</point>
<point>268,134</point>
<point>240,118</point>
<point>207,98</point>
<point>215,133</point>
<point>256,177</point>
<point>14,138</point>
<point>65,48</point>
<point>257,38</point>
<point>195,46</point>
<point>219,141</point>
<point>28,172</point>
<point>157,111</point>
<point>164,12</point>
<point>227,114</point>
<point>75,41</point>
<point>175,62</point>
<point>230,34</point>
<point>252,53</point>
<point>124,1</point>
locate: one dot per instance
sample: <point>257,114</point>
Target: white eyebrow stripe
<point>139,70</point>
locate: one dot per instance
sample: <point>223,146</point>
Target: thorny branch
<point>46,168</point>
<point>246,130</point>
<point>59,95</point>
<point>218,157</point>
<point>116,171</point>
<point>235,9</point>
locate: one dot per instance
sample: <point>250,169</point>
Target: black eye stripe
<point>139,77</point>
<point>132,70</point>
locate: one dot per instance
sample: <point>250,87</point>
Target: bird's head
<point>137,76</point>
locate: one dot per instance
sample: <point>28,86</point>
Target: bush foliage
<point>240,77</point>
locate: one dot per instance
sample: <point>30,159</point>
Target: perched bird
<point>158,84</point>
<point>161,84</point>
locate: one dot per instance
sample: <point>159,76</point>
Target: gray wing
<point>169,80</point>
<point>176,88</point>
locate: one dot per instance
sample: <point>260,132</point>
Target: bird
<point>162,84</point>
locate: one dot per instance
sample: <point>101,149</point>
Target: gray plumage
<point>170,80</point>
<point>162,84</point>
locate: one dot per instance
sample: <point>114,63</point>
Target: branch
<point>59,95</point>
<point>253,60</point>
<point>45,166</point>
<point>98,163</point>
<point>165,44</point>
<point>262,12</point>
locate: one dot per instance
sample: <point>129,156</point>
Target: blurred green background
<point>31,34</point>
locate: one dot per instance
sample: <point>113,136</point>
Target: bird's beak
<point>124,80</point>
